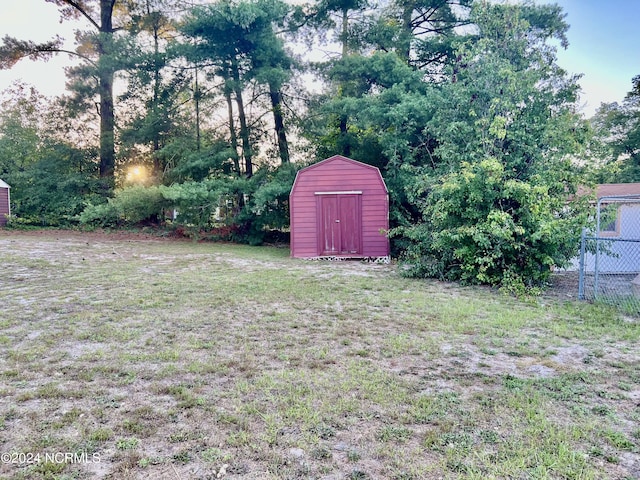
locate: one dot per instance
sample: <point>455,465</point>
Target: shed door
<point>340,224</point>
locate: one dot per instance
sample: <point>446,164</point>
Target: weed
<point>215,455</point>
<point>357,475</point>
<point>127,444</point>
<point>183,436</point>
<point>602,410</point>
<point>205,355</point>
<point>320,453</point>
<point>618,440</point>
<point>183,456</point>
<point>49,469</point>
<point>624,386</point>
<point>101,435</point>
<point>394,433</point>
<point>353,455</point>
<point>323,431</point>
<point>489,436</point>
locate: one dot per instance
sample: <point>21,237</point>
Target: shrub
<point>130,206</point>
<point>226,208</point>
<point>481,226</point>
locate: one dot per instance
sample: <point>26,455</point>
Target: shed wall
<point>339,174</point>
<point>4,206</point>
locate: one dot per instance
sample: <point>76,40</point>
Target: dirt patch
<point>563,286</point>
<point>173,359</point>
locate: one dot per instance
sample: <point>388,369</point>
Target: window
<point>610,221</point>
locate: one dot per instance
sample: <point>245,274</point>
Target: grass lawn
<point>130,358</point>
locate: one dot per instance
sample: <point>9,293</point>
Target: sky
<point>603,46</point>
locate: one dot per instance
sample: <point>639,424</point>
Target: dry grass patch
<point>162,359</point>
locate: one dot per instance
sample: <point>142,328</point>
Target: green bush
<point>130,206</point>
<point>484,227</point>
<point>103,215</point>
<point>493,197</point>
<point>204,205</point>
<point>226,208</point>
<point>268,208</point>
<point>48,193</point>
<point>139,204</point>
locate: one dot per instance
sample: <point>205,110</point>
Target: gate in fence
<point>610,261</point>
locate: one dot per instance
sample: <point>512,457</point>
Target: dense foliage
<point>494,202</point>
<point>460,103</point>
<point>237,209</point>
<point>617,128</point>
<point>52,180</point>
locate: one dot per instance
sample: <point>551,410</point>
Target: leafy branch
<point>13,50</point>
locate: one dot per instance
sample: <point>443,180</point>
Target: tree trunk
<point>278,119</point>
<point>157,65</point>
<point>345,32</point>
<point>404,47</point>
<point>247,152</point>
<point>105,89</point>
<point>107,127</point>
<point>343,121</point>
<point>232,129</point>
<point>344,136</point>
<point>196,96</point>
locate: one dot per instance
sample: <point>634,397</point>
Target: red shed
<point>339,208</point>
<point>5,208</point>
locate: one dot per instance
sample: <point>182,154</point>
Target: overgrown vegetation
<point>238,362</point>
<point>242,210</point>
<point>460,103</point>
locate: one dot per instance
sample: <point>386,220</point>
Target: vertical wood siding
<point>339,174</point>
<point>4,206</point>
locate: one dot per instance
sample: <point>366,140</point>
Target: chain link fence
<point>610,272</point>
<point>609,268</point>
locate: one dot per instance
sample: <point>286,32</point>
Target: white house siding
<point>620,257</point>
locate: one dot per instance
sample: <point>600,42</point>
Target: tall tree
<point>98,49</point>
<point>326,12</point>
<point>239,41</point>
<point>271,66</point>
<point>345,18</point>
<point>218,33</point>
<point>51,178</point>
<point>421,32</point>
<point>20,130</point>
<point>617,130</point>
<point>156,88</point>
<point>494,200</point>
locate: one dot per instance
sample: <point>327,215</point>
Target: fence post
<point>595,268</point>
<point>582,265</point>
